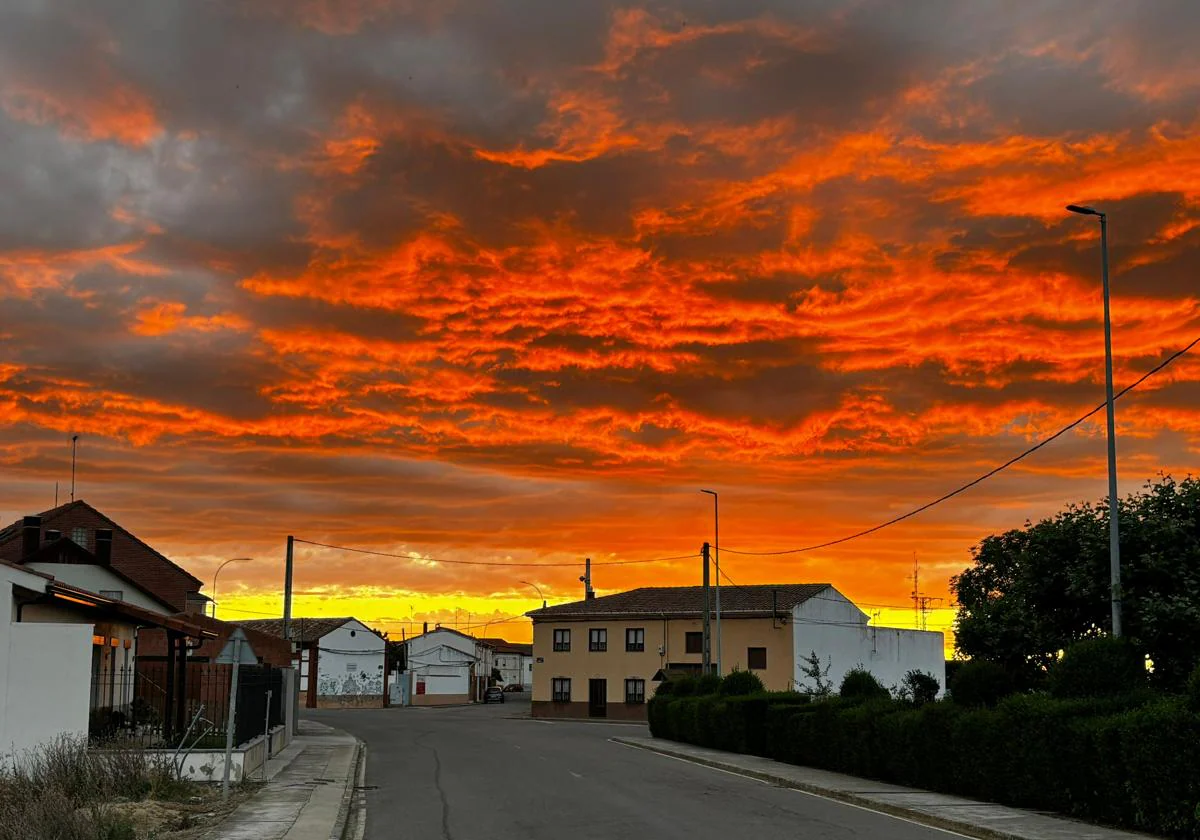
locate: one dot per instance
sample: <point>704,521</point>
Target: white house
<point>840,634</point>
<point>445,666</point>
<point>341,660</point>
<point>513,660</point>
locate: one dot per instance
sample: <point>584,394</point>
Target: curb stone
<point>343,817</point>
<point>916,816</point>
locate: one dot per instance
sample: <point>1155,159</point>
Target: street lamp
<point>217,572</point>
<point>1114,546</point>
<point>536,589</point>
<point>717,563</point>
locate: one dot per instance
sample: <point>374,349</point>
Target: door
<point>597,698</point>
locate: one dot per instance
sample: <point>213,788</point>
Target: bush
<point>981,683</point>
<point>1193,690</point>
<point>1100,667</point>
<point>860,684</point>
<point>708,684</point>
<point>741,683</point>
<point>684,686</point>
<point>919,687</point>
<point>665,689</point>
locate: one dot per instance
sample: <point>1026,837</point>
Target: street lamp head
<point>709,492</point>
<point>1083,210</point>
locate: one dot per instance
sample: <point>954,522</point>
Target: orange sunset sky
<point>510,282</point>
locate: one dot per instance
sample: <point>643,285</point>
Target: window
<point>635,691</point>
<point>561,687</point>
<point>562,640</point>
<point>756,659</point>
<point>79,536</point>
<point>598,640</point>
<point>635,639</point>
<point>694,642</point>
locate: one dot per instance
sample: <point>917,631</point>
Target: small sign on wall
<point>351,667</point>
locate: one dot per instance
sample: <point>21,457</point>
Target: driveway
<point>492,773</point>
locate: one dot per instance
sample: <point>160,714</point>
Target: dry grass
<point>64,791</point>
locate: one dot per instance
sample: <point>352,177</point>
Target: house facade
<point>513,660</point>
<point>341,661</point>
<point>446,667</point>
<point>605,656</point>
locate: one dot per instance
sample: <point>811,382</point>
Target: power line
<point>978,480</point>
<point>486,563</point>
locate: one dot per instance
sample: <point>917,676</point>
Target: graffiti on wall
<point>350,684</point>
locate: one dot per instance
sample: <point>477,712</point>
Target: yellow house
<point>604,657</point>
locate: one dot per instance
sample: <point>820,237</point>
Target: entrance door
<point>597,698</point>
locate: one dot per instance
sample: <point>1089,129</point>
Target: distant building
<point>341,660</point>
<point>605,657</point>
<point>446,667</point>
<point>513,660</point>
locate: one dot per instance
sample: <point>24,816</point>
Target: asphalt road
<point>484,773</point>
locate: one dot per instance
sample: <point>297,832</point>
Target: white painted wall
<point>512,669</point>
<point>97,579</point>
<point>350,661</point>
<point>840,634</point>
<point>442,660</point>
<point>44,674</point>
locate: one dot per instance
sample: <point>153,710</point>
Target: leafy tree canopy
<point>1032,592</point>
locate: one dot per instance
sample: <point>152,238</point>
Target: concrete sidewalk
<point>308,794</point>
<point>974,819</point>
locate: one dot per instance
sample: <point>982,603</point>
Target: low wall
<point>579,711</point>
<point>351,701</point>
<point>440,699</point>
<point>244,762</point>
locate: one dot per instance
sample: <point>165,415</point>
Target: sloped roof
<point>149,569</point>
<point>504,646</point>
<point>303,629</point>
<point>682,601</point>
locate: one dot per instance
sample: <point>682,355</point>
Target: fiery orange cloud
<point>425,279</point>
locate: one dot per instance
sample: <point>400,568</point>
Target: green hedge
<point>1132,760</point>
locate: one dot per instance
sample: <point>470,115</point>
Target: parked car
<point>495,694</point>
<point>513,688</point>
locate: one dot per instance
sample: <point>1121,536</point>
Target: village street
<point>487,773</point>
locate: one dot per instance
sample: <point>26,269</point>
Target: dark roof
<point>678,601</point>
<point>63,550</point>
<point>504,646</point>
<point>303,629</point>
<point>146,567</point>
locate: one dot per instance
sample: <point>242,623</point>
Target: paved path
<point>980,819</point>
<point>307,795</point>
<point>481,773</point>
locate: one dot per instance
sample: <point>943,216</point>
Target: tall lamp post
<point>717,563</point>
<point>218,572</point>
<point>537,589</point>
<point>1114,545</point>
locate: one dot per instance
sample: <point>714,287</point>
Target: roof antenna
<point>74,441</point>
<point>56,494</point>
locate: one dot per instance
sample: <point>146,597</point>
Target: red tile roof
<point>505,647</point>
<point>143,565</point>
<point>303,629</point>
<point>684,601</point>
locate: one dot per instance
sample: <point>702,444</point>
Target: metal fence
<point>141,704</point>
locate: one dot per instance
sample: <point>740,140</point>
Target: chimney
<point>586,580</point>
<point>31,533</point>
<point>104,546</point>
<point>425,628</point>
<point>53,535</point>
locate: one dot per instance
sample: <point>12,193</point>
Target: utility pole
<point>916,593</point>
<point>706,653</point>
<point>287,591</point>
<point>586,580</point>
<point>74,442</point>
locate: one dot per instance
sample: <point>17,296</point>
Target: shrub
<point>684,687</point>
<point>1100,667</point>
<point>981,683</point>
<point>665,689</point>
<point>708,684</point>
<point>860,684</point>
<point>919,687</point>
<point>1193,690</point>
<point>741,683</point>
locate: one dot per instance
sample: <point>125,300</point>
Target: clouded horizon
<point>486,281</point>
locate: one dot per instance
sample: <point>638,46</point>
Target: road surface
<point>485,773</point>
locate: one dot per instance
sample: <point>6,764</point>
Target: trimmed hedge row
<point>1132,761</point>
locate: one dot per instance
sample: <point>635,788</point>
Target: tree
<point>821,686</point>
<point>860,684</point>
<point>1032,592</point>
<point>918,687</point>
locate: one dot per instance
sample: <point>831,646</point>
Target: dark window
<point>756,659</point>
<point>694,642</point>
<point>635,691</point>
<point>598,640</point>
<point>689,668</point>
<point>635,639</point>
<point>562,689</point>
<point>562,640</point>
